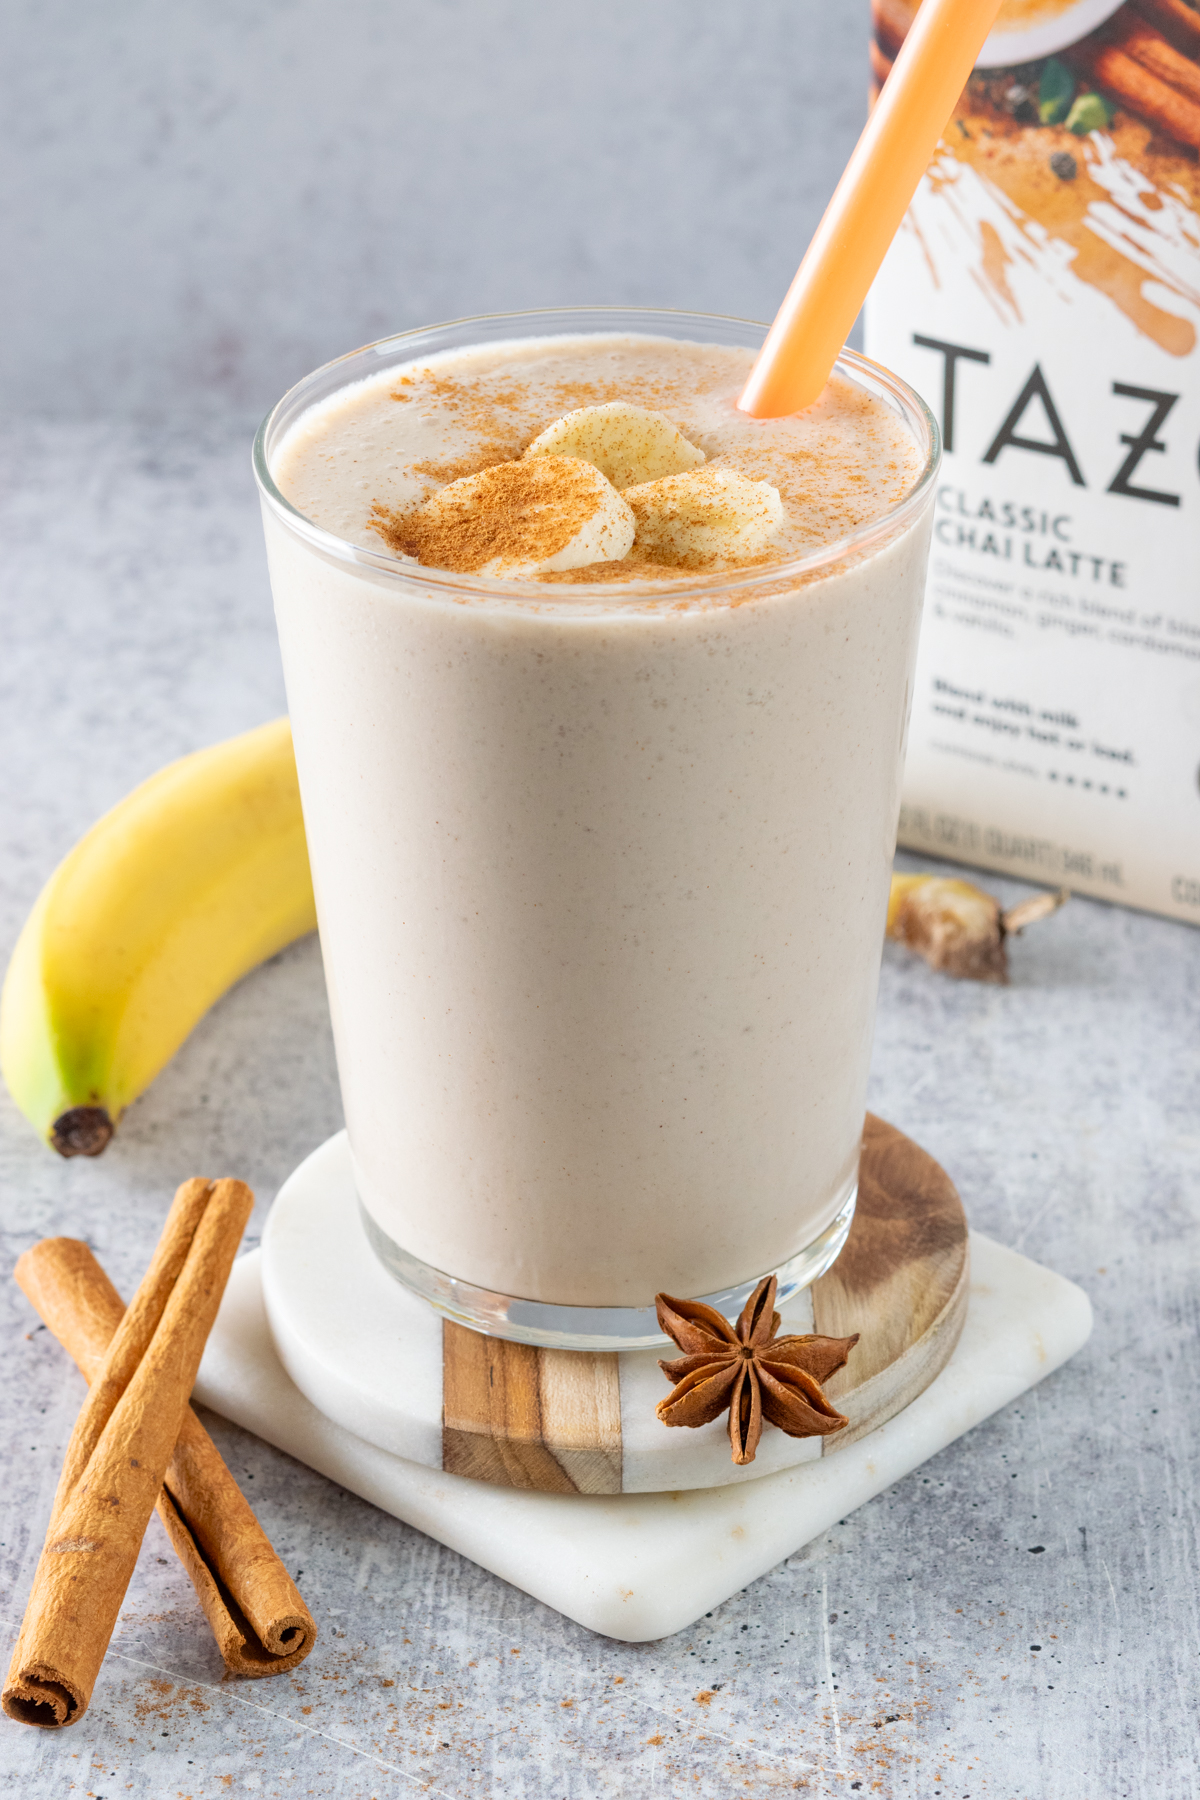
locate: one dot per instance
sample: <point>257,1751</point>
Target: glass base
<point>590,1327</point>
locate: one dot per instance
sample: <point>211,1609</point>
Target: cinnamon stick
<point>118,1455</point>
<point>1138,89</point>
<point>1176,20</point>
<point>260,1623</point>
<point>1151,49</point>
<point>881,67</point>
<point>891,20</point>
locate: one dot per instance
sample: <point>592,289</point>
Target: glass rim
<point>447,584</point>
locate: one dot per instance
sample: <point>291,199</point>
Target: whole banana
<point>195,877</point>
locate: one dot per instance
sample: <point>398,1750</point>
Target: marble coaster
<point>641,1566</point>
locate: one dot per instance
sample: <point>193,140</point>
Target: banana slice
<point>629,444</point>
<point>705,515</point>
<point>519,520</point>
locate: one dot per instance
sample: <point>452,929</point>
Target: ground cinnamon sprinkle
<point>430,427</point>
<point>514,512</point>
<point>456,467</point>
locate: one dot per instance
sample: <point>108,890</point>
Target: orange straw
<point>870,200</point>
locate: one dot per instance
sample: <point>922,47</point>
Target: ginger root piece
<point>957,927</point>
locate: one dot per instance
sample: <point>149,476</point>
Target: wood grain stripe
<point>901,1281</point>
<point>528,1418</point>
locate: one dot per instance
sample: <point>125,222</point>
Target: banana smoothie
<point>599,691</point>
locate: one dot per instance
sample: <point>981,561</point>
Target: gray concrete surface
<point>200,202</point>
<point>1016,1620</point>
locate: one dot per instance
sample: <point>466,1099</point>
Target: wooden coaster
<point>551,1419</point>
<point>377,1359</point>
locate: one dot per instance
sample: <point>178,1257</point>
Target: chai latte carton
<point>1044,295</point>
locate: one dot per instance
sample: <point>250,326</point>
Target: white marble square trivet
<point>641,1566</point>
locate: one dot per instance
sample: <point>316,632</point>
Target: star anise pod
<point>749,1370</point>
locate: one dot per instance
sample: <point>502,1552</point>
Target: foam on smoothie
<point>379,449</point>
